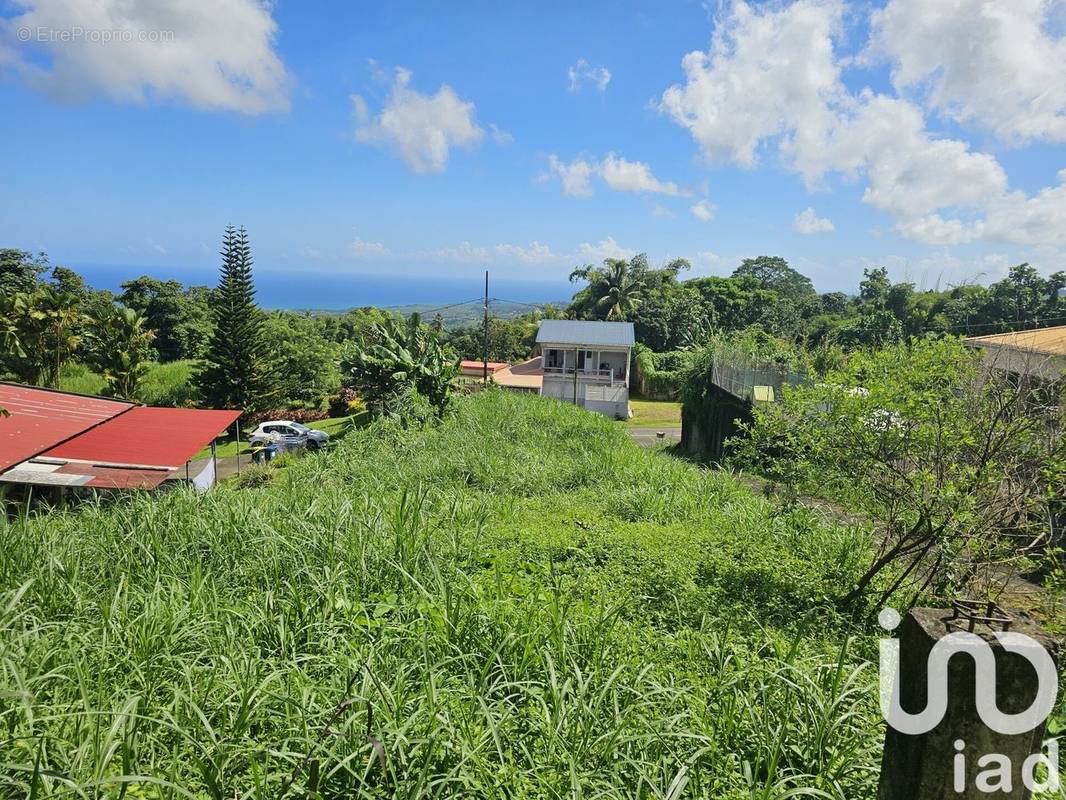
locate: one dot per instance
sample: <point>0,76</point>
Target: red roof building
<point>476,369</point>
<point>56,438</point>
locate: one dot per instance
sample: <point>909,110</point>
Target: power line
<point>451,305</point>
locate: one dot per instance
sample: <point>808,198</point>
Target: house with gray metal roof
<point>587,363</point>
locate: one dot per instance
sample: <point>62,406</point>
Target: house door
<point>586,360</point>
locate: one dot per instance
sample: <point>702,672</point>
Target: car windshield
<point>301,428</point>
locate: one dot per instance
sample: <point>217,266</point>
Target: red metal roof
<point>41,419</point>
<point>468,365</point>
<point>53,472</point>
<point>147,437</point>
<point>117,477</point>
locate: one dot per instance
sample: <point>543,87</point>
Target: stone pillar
<point>926,766</point>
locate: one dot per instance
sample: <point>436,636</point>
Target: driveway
<point>649,437</point>
<point>226,466</point>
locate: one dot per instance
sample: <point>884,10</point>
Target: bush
<point>169,384</point>
<point>659,376</point>
<point>301,415</point>
<point>341,404</point>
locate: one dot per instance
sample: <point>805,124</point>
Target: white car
<point>288,434</point>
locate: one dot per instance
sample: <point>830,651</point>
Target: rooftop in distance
<point>583,332</point>
<point>1051,341</point>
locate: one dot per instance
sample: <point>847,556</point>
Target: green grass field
<point>653,413</point>
<point>518,603</point>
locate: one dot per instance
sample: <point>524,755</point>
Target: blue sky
<point>424,140</point>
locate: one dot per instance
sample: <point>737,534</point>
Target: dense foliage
<point>119,348</point>
<point>961,465</point>
<point>518,602</point>
<point>400,367</point>
<point>768,294</point>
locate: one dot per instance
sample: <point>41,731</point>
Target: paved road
<point>648,437</point>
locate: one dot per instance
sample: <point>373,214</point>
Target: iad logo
<point>998,775</point>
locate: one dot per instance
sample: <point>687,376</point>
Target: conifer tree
<point>235,373</point>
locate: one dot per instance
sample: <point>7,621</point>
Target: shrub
<point>340,405</point>
<point>169,384</point>
<point>301,415</point>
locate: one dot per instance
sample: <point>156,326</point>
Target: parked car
<point>287,435</point>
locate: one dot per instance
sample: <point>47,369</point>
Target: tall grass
<point>169,384</point>
<point>75,377</point>
<point>519,603</point>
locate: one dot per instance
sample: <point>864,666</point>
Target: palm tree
<point>38,334</point>
<point>619,290</point>
<point>614,291</point>
<point>119,348</point>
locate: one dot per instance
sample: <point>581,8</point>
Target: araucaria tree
<point>236,370</point>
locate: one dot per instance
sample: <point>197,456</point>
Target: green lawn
<point>654,413</point>
<point>336,427</point>
<point>520,602</point>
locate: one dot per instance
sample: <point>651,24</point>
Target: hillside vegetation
<point>517,603</point>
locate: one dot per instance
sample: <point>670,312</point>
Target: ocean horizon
<point>336,291</point>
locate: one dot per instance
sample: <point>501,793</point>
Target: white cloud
<point>661,212</point>
<point>993,63</point>
<point>421,128</point>
<point>605,248</point>
<point>464,253</point>
<point>618,173</point>
<point>361,248</point>
<point>708,258</point>
<point>934,229</point>
<point>574,176</point>
<point>807,223</point>
<point>211,54</point>
<point>534,253</point>
<point>500,136</point>
<point>582,72</point>
<point>704,210</point>
<point>633,176</point>
<point>1040,219</point>
<point>745,95</point>
<point>747,86</point>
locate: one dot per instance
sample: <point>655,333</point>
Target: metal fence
<point>740,376</point>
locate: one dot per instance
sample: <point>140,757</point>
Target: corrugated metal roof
<point>527,375</point>
<point>147,437</point>
<point>41,418</point>
<point>573,331</point>
<point>470,366</point>
<point>42,472</point>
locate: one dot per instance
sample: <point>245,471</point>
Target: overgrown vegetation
<point>517,602</point>
<point>961,465</point>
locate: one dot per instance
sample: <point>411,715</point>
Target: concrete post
<point>931,766</point>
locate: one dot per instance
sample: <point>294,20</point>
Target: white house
<point>587,363</point>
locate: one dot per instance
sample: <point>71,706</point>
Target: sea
<point>336,291</point>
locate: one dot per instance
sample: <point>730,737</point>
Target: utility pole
<point>485,360</point>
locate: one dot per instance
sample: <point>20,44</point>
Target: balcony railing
<point>614,376</point>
